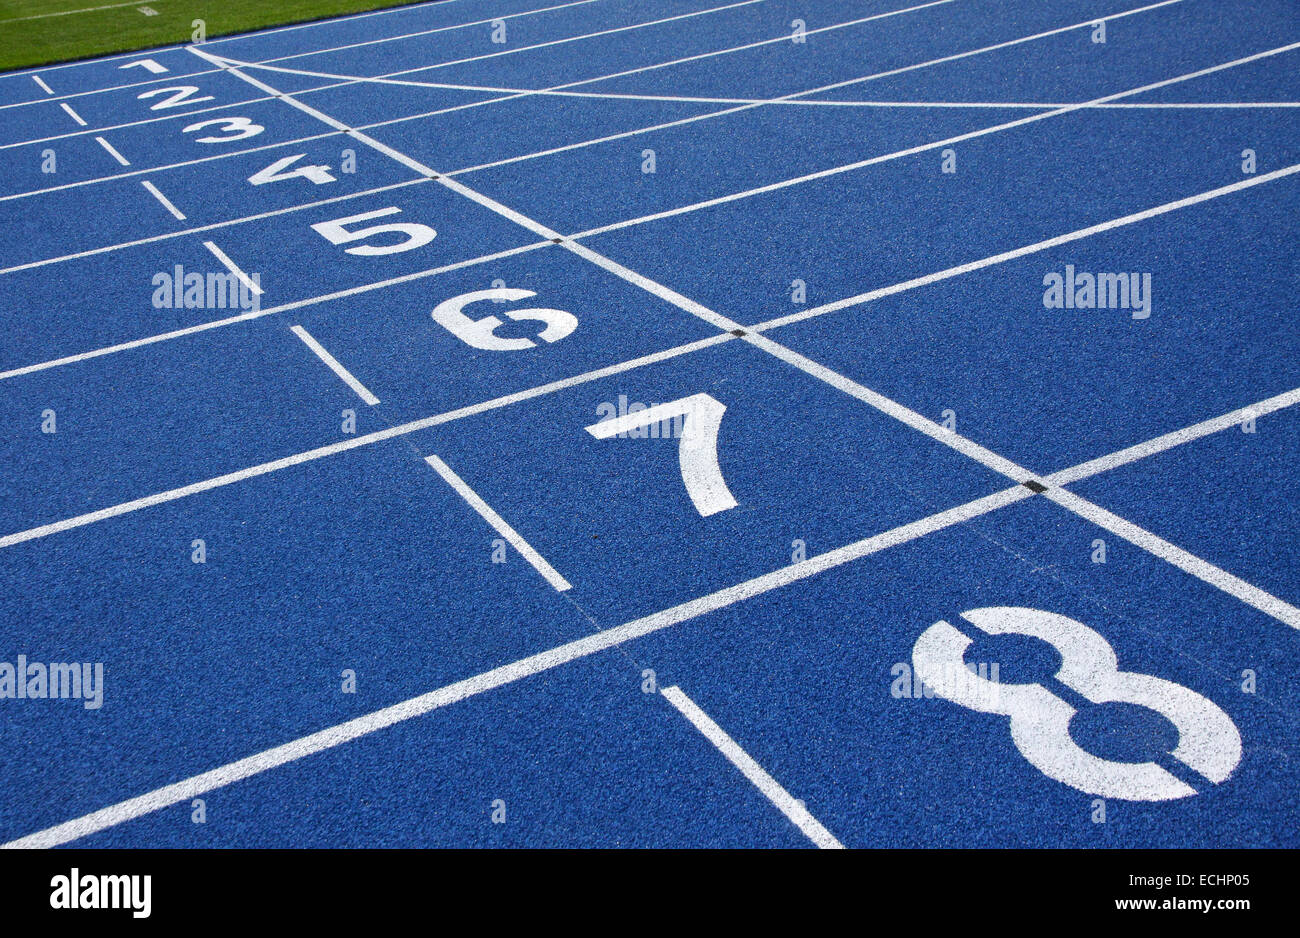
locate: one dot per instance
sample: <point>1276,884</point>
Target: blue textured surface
<point>363,559</point>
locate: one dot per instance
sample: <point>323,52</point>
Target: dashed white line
<point>348,378</point>
<point>41,81</point>
<point>166,202</point>
<point>112,151</point>
<point>71,113</point>
<point>233,268</point>
<point>526,550</point>
<point>771,789</point>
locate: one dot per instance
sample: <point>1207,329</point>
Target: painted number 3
<point>1208,741</point>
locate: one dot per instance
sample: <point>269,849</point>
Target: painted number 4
<point>697,446</point>
<point>276,172</point>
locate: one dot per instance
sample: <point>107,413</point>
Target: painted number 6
<point>481,333</point>
<point>1208,741</point>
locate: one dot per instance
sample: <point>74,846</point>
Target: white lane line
<point>1034,248</point>
<point>604,32</point>
<point>71,113</point>
<point>348,378</point>
<point>369,439</point>
<point>112,151</point>
<point>1234,418</point>
<point>499,524</point>
<point>347,80</point>
<point>1189,563</point>
<point>1048,105</point>
<point>793,98</point>
<point>771,789</point>
<point>898,411</point>
<point>926,147</point>
<point>322,740</point>
<point>429,32</point>
<point>1185,561</point>
<point>760,327</point>
<point>266,311</point>
<point>166,202</point>
<point>998,46</point>
<point>212,227</point>
<point>41,82</point>
<point>233,268</point>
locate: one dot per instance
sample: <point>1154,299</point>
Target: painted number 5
<point>1208,741</point>
<point>414,235</point>
<point>697,447</point>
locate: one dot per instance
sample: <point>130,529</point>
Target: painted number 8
<point>1208,741</point>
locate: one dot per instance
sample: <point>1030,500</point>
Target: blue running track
<point>774,423</point>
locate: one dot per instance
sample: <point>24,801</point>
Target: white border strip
<point>1189,563</point>
<point>1027,249</point>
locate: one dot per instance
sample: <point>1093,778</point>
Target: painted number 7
<point>697,445</point>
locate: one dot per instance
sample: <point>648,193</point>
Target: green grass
<point>82,33</point>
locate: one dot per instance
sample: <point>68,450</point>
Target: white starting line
<point>771,789</point>
<point>348,378</point>
<point>526,550</point>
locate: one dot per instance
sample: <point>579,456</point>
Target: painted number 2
<point>1208,741</point>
